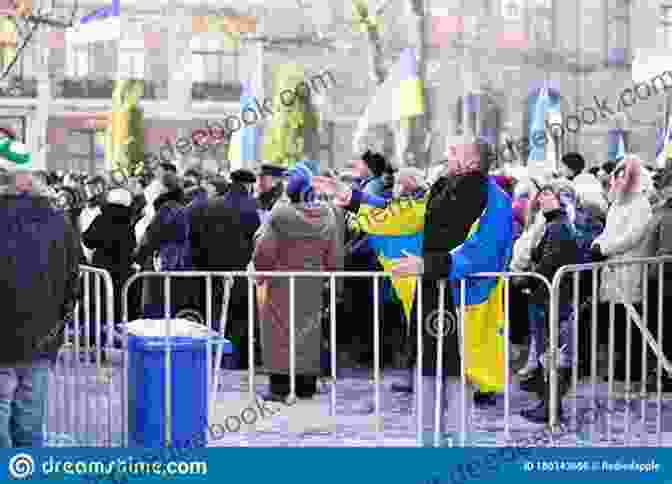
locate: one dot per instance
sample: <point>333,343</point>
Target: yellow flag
<point>404,286</point>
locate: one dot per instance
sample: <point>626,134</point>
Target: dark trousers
<point>306,385</point>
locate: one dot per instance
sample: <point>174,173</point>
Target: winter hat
<point>120,196</point>
<point>299,187</point>
<point>574,161</point>
<point>375,161</point>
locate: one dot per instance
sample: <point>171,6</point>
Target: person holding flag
<point>468,228</point>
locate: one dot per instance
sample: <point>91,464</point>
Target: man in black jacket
<point>456,201</point>
<point>222,239</point>
<point>269,186</point>
<point>39,262</point>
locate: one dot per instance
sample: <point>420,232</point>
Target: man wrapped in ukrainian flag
<point>463,226</point>
<point>468,228</point>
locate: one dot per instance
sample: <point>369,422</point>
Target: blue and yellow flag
<point>487,248</point>
<point>396,229</point>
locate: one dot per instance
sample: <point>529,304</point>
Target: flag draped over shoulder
<point>245,142</point>
<point>487,248</point>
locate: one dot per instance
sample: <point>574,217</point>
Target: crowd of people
<point>464,218</point>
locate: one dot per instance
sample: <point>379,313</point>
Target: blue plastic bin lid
<point>184,334</point>
<point>178,343</point>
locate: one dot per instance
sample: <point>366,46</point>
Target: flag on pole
<point>539,107</point>
<point>616,145</point>
<point>245,143</point>
<point>399,97</point>
<point>101,25</point>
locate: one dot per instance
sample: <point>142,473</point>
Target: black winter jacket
<point>39,277</point>
<point>557,248</point>
<point>111,238</point>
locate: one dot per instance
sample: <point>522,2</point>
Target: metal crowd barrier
<point>606,436</point>
<point>81,418</point>
<point>229,277</point>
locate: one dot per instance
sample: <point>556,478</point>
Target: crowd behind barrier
<point>569,270</point>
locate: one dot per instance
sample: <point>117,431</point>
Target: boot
<point>485,399</point>
<point>407,386</point>
<point>541,413</point>
<point>535,382</point>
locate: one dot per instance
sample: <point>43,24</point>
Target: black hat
<point>608,167</point>
<point>243,176</point>
<point>375,161</point>
<point>272,170</point>
<point>574,161</point>
<point>168,167</point>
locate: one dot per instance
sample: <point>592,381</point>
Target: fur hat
<point>120,196</point>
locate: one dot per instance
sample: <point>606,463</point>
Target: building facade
<point>493,54</point>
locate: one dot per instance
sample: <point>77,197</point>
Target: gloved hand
<point>596,253</point>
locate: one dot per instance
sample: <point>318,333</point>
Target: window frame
<point>625,20</point>
<point>531,10</point>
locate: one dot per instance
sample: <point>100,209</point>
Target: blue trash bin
<point>189,392</point>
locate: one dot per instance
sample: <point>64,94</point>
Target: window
<point>81,146</point>
<point>618,32</point>
<point>131,64</point>
<point>213,61</point>
<point>484,116</point>
<point>512,10</point>
<point>541,23</point>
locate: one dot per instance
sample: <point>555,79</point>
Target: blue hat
<point>299,187</point>
<point>272,170</point>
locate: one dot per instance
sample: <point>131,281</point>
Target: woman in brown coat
<point>299,236</point>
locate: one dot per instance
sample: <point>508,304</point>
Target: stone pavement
<point>94,404</point>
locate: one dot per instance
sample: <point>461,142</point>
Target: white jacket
<point>529,239</point>
<point>589,191</point>
<point>624,237</point>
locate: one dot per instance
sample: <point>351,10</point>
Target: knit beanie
<point>575,162</point>
<point>299,188</point>
<point>375,161</point>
